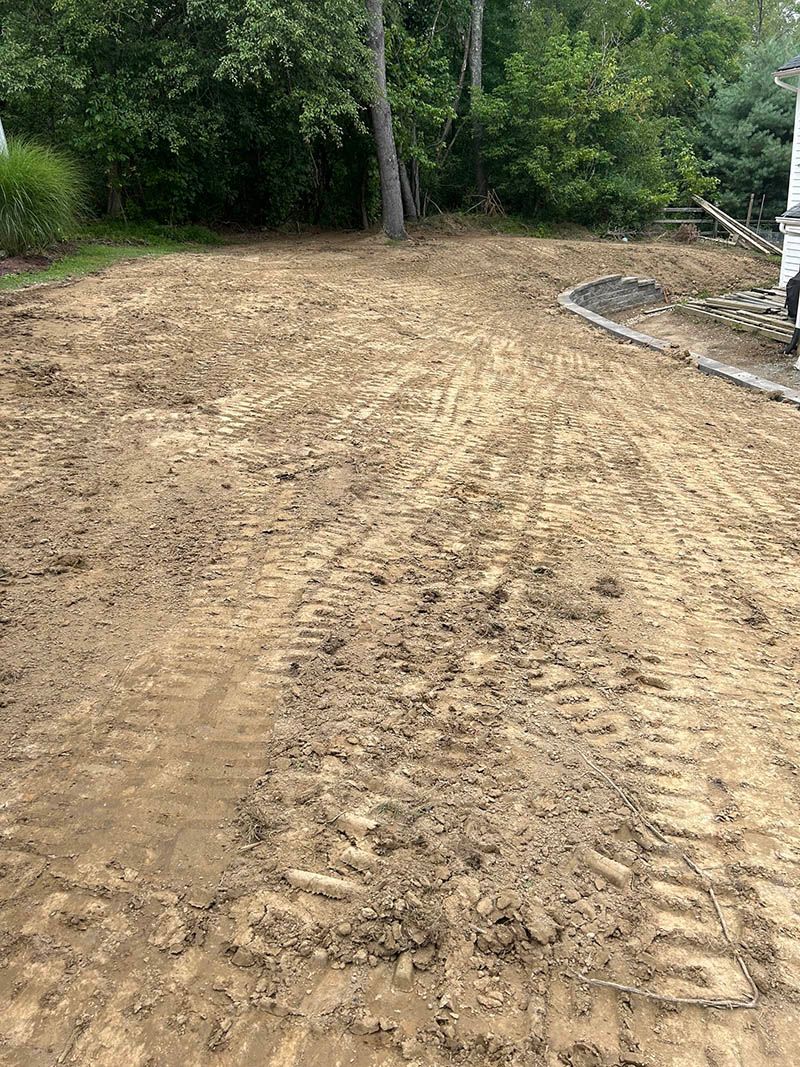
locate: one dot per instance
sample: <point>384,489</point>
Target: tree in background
<point>746,132</point>
<point>258,111</point>
<point>381,110</point>
<point>684,47</point>
<point>590,110</point>
<point>765,19</point>
<point>570,134</point>
<point>476,88</point>
<point>127,87</point>
<point>301,73</point>
<point>192,108</point>
<point>418,51</point>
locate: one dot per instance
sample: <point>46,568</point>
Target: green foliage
<point>688,172</point>
<point>128,86</point>
<point>571,136</point>
<point>421,92</point>
<point>198,109</point>
<point>684,46</point>
<point>746,132</point>
<point>147,234</point>
<point>100,245</point>
<point>766,20</point>
<point>40,195</point>
<point>509,225</point>
<point>256,111</point>
<point>310,54</point>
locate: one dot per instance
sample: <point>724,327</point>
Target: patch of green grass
<point>101,244</point>
<point>147,233</point>
<point>515,226</point>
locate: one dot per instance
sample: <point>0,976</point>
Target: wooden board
<point>760,311</point>
<point>738,229</point>
<point>778,332</point>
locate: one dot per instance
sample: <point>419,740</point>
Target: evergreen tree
<point>746,133</point>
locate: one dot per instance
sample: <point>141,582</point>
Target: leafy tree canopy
<point>257,111</point>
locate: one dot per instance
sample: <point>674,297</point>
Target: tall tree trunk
<point>415,174</point>
<point>364,191</point>
<point>476,81</point>
<point>391,195</point>
<point>114,203</point>
<point>409,207</point>
<point>442,147</point>
<point>3,144</point>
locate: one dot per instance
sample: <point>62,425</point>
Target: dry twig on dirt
<point>702,1002</point>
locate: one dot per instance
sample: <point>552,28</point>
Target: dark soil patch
<point>23,264</point>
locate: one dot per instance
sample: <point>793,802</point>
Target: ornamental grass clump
<point>41,192</point>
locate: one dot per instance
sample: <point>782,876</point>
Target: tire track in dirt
<point>445,539</point>
<point>194,698</point>
<point>670,735</point>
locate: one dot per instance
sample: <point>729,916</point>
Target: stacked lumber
<point>738,230</point>
<point>760,311</point>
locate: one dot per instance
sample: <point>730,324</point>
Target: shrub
<point>147,232</point>
<point>40,194</point>
<point>571,134</point>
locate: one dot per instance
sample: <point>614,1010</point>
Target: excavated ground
<point>327,565</point>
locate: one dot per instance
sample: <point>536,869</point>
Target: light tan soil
<point>324,564</point>
<point>747,351</point>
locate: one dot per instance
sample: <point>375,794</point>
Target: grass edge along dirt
<point>101,244</point>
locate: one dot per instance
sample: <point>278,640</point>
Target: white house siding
<point>794,173</point>
<point>790,260</point>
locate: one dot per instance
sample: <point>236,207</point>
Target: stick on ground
<point>701,1002</point>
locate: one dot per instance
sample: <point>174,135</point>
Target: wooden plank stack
<point>759,311</point>
<point>738,230</point>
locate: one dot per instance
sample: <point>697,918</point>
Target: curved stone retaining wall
<point>597,298</point>
<point>615,292</point>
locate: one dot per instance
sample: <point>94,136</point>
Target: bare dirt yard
<point>760,356</point>
<point>342,584</point>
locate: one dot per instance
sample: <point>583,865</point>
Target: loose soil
<point>747,351</point>
<point>22,264</point>
<point>326,567</point>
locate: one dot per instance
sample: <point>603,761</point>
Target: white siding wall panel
<point>794,173</point>
<point>790,260</point>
